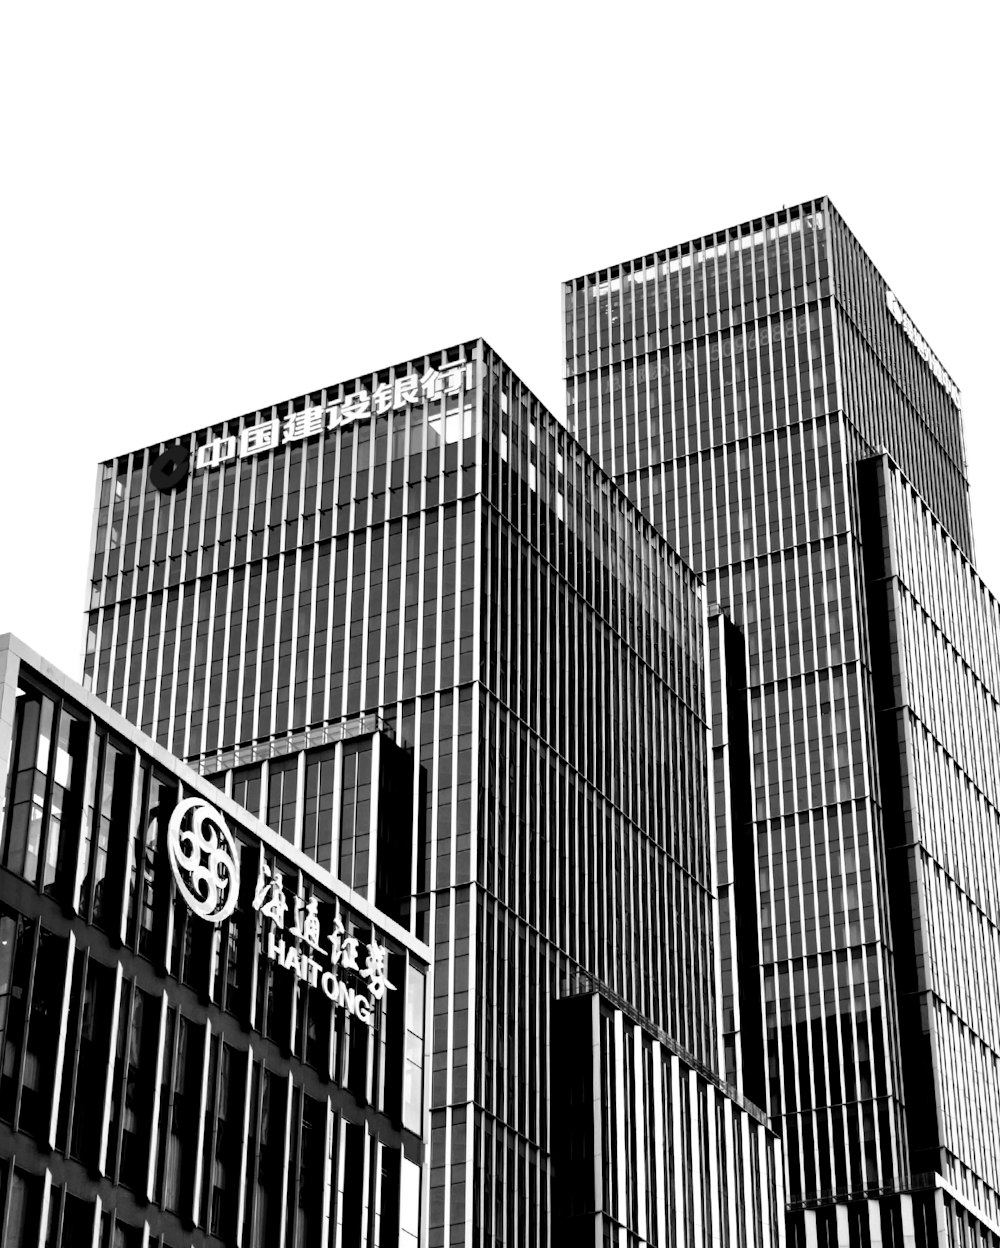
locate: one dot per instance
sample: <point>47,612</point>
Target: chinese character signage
<point>334,963</point>
<point>923,350</point>
<point>205,862</point>
<point>389,397</point>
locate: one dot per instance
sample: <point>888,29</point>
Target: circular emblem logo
<point>204,859</point>
<point>169,468</point>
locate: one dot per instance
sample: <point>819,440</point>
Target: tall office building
<point>733,385</point>
<point>415,591</point>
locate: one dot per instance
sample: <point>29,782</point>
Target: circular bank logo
<point>204,859</point>
<point>169,468</point>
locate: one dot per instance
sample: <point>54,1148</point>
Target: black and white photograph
<point>499,626</point>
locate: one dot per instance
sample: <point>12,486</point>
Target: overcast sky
<point>211,207</point>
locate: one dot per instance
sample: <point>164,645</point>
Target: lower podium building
<point>652,1148</point>
<point>205,1038</point>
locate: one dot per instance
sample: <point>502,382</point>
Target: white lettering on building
<point>388,397</point>
<point>317,963</point>
<point>923,350</point>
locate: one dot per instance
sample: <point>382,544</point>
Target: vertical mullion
<point>32,969</point>
<point>109,1078</point>
<point>157,1086</point>
<point>286,1158</point>
<point>137,460</point>
<point>199,1140</point>
<point>243,1179</point>
<point>57,1075</point>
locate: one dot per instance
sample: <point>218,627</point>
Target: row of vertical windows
<point>72,1221</point>
<point>357,1191</point>
<point>593,539</point>
<point>958,830</point>
<point>678,1163</point>
<point>351,823</point>
<point>933,568</point>
<point>948,696</point>
<point>906,408</point>
<point>200,688</point>
<point>917,1217</point>
<point>160,1104</point>
<point>815,885</point>
<point>604,705</point>
<point>509,1194</point>
<point>597,886</point>
<point>699,287</point>
<point>884,416</point>
<point>709,392</point>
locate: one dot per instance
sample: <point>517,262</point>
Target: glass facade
<point>427,556</point>
<point>167,1077</point>
<point>731,385</point>
<point>343,795</point>
<point>653,1149</point>
<point>935,637</point>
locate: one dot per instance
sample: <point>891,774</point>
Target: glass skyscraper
<point>423,562</point>
<point>737,387</point>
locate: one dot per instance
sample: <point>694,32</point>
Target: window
<point>92,1063</point>
<point>225,1163</point>
<point>281,784</point>
<point>109,848</point>
<point>355,820</point>
<point>317,829</point>
<point>66,804</point>
<point>42,1034</point>
<point>182,1110</point>
<point>149,893</point>
<point>16,944</point>
<point>246,788</point>
<point>413,1051</point>
<point>137,1112</point>
<point>24,1207</point>
<point>33,717</point>
<point>409,1204</point>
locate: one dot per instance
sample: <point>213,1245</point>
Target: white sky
<point>208,207</point>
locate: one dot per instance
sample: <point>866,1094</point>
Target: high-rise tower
<point>415,592</point>
<point>732,385</point>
